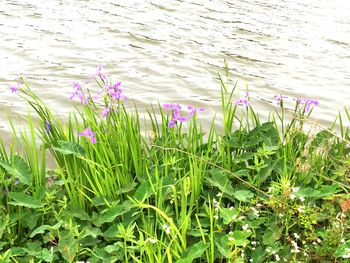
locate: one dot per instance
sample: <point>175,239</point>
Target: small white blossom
<point>296,235</point>
<point>295,189</point>
<point>301,209</point>
<point>219,194</point>
<point>292,196</point>
<point>302,199</point>
<point>231,239</point>
<point>151,240</point>
<point>245,227</point>
<point>216,217</point>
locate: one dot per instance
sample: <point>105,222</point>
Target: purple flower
<point>105,112</point>
<point>194,110</point>
<point>78,93</point>
<point>116,92</point>
<point>90,134</point>
<point>47,127</point>
<point>99,74</point>
<point>177,114</point>
<point>14,89</point>
<point>308,103</point>
<point>245,101</point>
<point>279,98</point>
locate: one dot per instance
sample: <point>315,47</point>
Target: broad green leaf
<point>241,237</point>
<point>195,251</point>
<point>77,212</point>
<point>47,255</point>
<point>19,169</point>
<point>22,199</point>
<point>68,246</point>
<point>109,215</point>
<point>67,148</point>
<point>220,180</point>
<point>243,195</point>
<point>43,228</point>
<point>342,250</point>
<point>144,191</point>
<point>39,230</point>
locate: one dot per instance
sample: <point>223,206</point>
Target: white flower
<point>292,196</point>
<point>231,239</point>
<point>296,235</point>
<point>245,227</point>
<point>151,240</point>
<point>277,258</point>
<point>253,243</point>
<point>301,209</point>
<point>302,199</point>
<point>166,228</point>
<point>219,194</point>
<point>295,189</point>
<point>216,217</point>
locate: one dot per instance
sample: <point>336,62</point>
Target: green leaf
<point>21,199</point>
<point>243,195</point>
<point>220,180</point>
<point>43,228</point>
<point>68,246</point>
<point>144,191</point>
<point>195,251</point>
<point>19,169</point>
<point>110,214</point>
<point>67,148</point>
<point>77,212</point>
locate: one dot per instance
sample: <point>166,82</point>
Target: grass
<point>252,192</point>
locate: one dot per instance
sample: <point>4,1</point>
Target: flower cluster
<point>90,134</point>
<point>308,103</point>
<point>245,101</point>
<point>113,91</point>
<point>176,113</point>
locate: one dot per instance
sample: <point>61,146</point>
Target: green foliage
<point>265,191</point>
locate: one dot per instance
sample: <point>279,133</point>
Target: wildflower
<point>219,194</point>
<point>279,98</point>
<point>295,189</point>
<point>100,75</point>
<point>308,103</point>
<point>245,101</point>
<point>14,89</point>
<point>78,93</point>
<point>216,217</point>
<point>89,134</point>
<point>245,227</point>
<point>231,239</point>
<point>47,127</point>
<point>116,92</point>
<point>277,258</point>
<point>166,228</point>
<point>176,114</point>
<point>193,111</point>
<point>302,199</point>
<point>296,235</point>
<point>292,196</point>
<point>105,112</point>
<point>151,240</point>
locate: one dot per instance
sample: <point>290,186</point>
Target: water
<point>173,50</point>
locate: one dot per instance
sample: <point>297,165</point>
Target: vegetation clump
<point>251,192</point>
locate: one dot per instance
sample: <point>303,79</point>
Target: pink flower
<point>89,134</point>
<point>14,89</point>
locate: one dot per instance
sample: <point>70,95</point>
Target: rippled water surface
<point>173,50</point>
